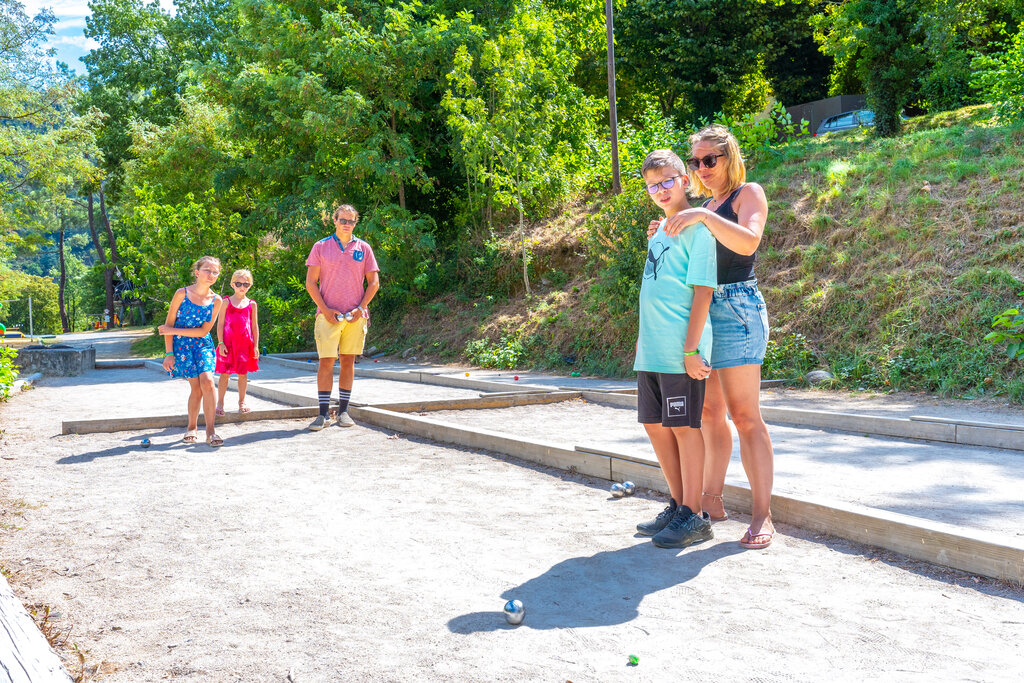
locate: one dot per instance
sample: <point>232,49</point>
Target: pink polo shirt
<point>342,272</point>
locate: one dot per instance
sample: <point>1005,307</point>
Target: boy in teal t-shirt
<point>674,339</point>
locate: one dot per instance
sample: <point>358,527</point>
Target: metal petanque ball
<point>145,443</point>
<point>514,612</point>
<point>618,490</point>
<point>629,488</point>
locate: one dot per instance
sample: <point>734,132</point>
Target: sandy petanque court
<point>364,555</point>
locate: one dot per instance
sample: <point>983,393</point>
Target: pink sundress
<point>238,338</point>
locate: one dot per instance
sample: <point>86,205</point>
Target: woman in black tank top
<point>735,214</point>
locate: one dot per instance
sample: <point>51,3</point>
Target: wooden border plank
<point>25,656</point>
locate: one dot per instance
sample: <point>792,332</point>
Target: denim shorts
<point>739,325</point>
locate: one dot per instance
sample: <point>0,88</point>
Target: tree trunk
<point>64,323</point>
<point>522,241</point>
<point>108,273</point>
<point>110,233</point>
<point>401,182</point>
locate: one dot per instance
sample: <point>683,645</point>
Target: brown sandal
<point>718,497</point>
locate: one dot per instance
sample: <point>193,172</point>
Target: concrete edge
<point>485,401</point>
<point>25,656</point>
<point>967,423</point>
<point>116,363</point>
<point>124,424</point>
<point>539,452</point>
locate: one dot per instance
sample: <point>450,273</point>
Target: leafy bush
<point>758,135</point>
<point>999,78</point>
<point>8,372</point>
<point>507,353</point>
<point>1012,323</point>
<point>789,358</point>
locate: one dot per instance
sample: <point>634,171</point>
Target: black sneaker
<point>685,529</point>
<point>658,523</point>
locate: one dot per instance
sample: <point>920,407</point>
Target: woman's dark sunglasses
<point>709,161</point>
<point>242,285</point>
<point>667,183</point>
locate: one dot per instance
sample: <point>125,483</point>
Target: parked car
<point>848,120</point>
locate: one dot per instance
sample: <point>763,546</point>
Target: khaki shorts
<point>341,339</point>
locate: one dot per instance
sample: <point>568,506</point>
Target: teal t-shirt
<point>674,266</point>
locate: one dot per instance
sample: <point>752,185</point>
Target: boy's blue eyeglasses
<point>667,183</point>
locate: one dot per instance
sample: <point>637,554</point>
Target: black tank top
<point>732,267</point>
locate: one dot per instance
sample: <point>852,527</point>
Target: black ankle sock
<point>324,399</point>
<point>343,399</point>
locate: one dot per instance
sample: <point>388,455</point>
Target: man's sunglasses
<point>667,183</point>
<point>345,221</point>
<point>709,161</point>
<point>242,285</point>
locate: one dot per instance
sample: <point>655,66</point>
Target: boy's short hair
<point>720,136</point>
<point>660,158</point>
<point>244,272</point>
<point>344,208</point>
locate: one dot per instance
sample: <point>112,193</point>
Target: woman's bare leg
<point>741,387</point>
<point>717,446</point>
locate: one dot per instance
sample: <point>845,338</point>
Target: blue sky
<point>70,39</point>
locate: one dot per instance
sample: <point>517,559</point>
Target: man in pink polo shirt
<point>335,271</point>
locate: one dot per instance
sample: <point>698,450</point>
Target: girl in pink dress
<point>238,329</point>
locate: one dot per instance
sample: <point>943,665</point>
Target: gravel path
<point>360,555</point>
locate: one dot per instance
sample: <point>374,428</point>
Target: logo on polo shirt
<point>676,406</point>
<point>357,255</point>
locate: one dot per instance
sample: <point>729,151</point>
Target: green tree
<point>144,58</point>
<point>882,38</point>
<point>793,64</point>
<point>518,118</point>
<point>691,55</point>
<point>999,78</point>
<point>46,147</point>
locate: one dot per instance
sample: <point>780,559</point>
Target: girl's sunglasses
<point>667,183</point>
<point>242,285</point>
<point>709,161</point>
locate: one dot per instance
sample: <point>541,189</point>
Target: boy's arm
<point>694,364</point>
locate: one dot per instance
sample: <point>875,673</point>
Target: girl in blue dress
<point>190,352</point>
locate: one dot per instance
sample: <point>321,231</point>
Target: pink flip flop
<point>750,540</point>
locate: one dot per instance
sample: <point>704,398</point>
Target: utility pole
<point>31,332</point>
<point>612,118</point>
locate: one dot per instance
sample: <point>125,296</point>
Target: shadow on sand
<point>598,590</point>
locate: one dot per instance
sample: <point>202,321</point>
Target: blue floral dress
<point>193,355</point>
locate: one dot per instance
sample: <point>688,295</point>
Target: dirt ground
<point>361,555</point>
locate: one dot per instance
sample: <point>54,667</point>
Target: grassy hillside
<point>884,261</point>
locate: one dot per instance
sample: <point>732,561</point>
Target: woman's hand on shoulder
<point>685,218</point>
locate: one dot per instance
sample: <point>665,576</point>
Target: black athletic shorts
<point>672,400</point>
